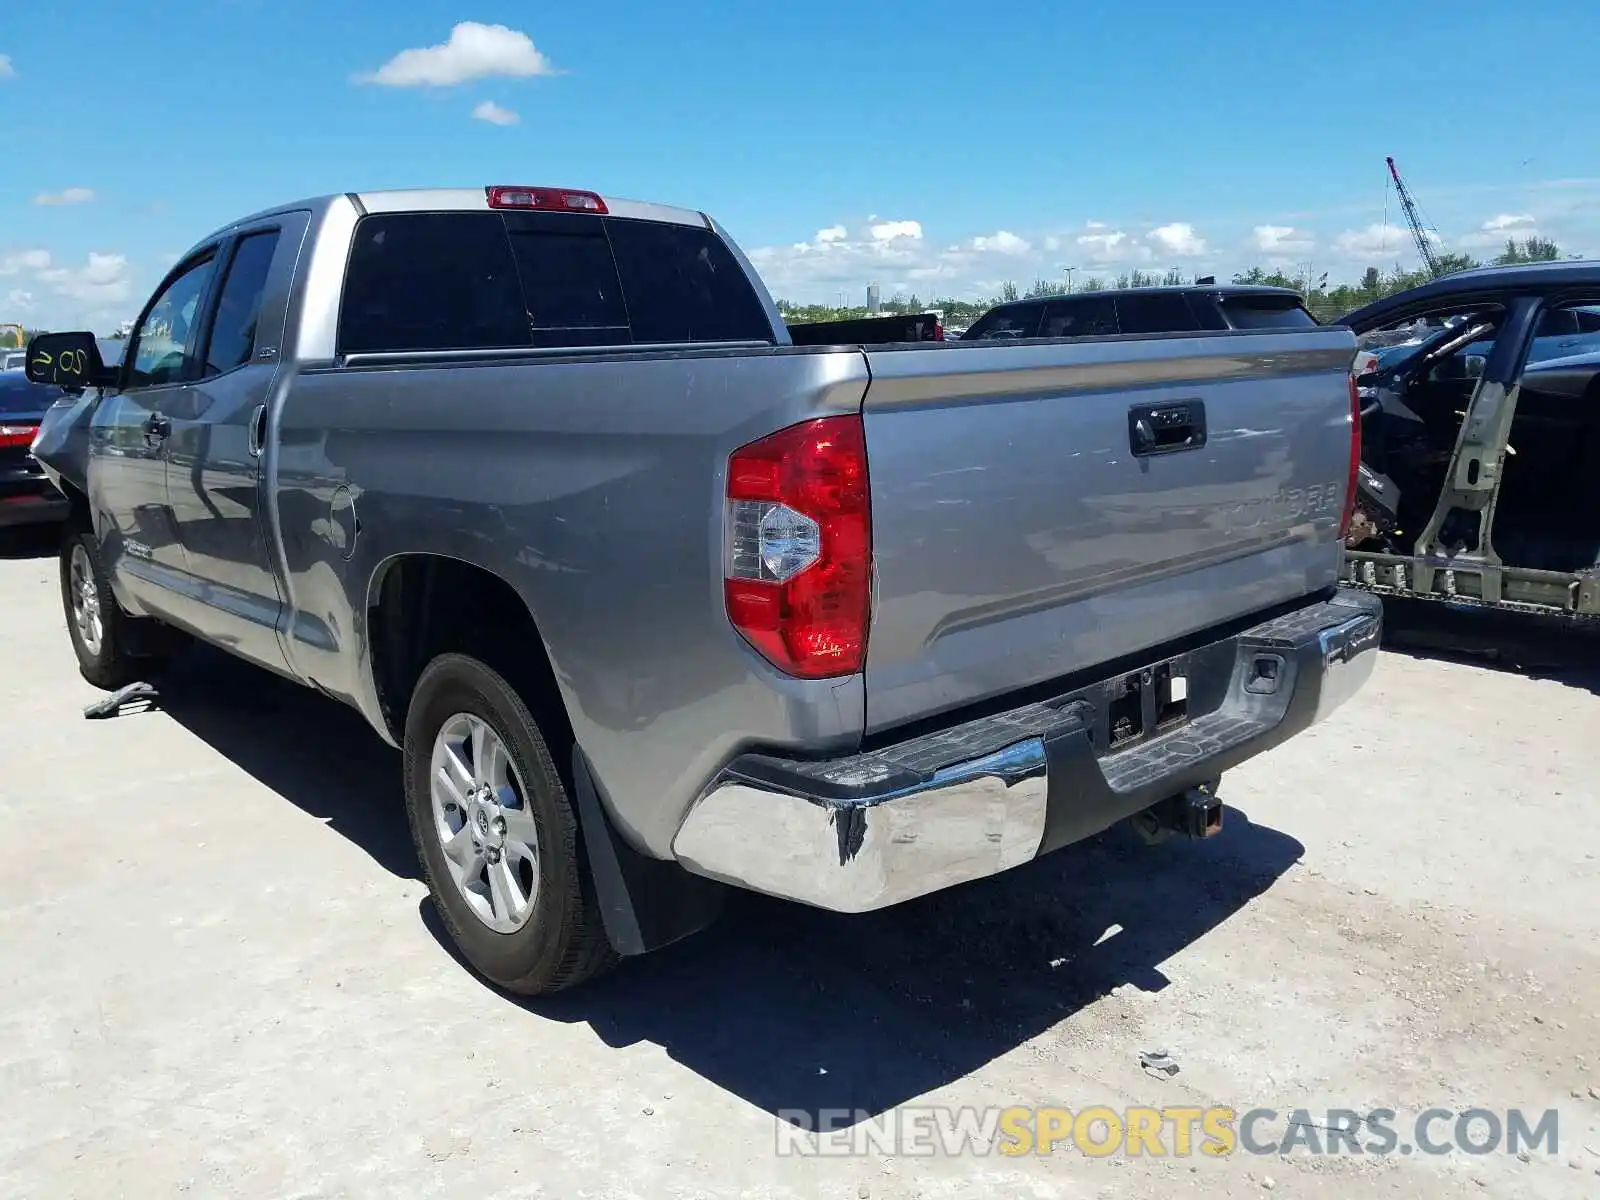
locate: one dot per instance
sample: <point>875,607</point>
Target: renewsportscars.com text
<point>1174,1131</point>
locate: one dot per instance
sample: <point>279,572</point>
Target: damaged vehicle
<point>1480,440</point>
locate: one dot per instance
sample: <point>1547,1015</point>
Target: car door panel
<point>213,455</point>
<point>126,478</point>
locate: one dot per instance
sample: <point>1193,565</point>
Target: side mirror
<point>67,360</point>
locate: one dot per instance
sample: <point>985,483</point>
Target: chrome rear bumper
<point>897,822</point>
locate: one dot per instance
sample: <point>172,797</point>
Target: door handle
<point>258,429</point>
<point>157,429</point>
<point>1166,428</point>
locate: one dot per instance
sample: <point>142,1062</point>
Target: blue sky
<point>940,148</point>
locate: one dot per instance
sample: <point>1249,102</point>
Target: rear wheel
<point>495,833</point>
<point>113,648</point>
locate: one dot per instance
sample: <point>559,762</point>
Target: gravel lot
<point>221,976</point>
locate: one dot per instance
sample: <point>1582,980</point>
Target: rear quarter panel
<point>594,487</point>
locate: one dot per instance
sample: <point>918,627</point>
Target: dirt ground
<point>220,976</point>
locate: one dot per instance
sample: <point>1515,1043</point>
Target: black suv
<point>1188,309</point>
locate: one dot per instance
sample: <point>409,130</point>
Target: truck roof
<point>1208,289</point>
<point>1537,277</point>
<point>460,199</point>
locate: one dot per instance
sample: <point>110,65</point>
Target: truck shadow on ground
<point>1510,642</point>
<point>791,1009</point>
<point>30,541</point>
<point>797,1011</point>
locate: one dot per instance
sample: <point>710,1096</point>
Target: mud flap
<point>646,902</point>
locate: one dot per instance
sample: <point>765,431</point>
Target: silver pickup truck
<point>655,601</point>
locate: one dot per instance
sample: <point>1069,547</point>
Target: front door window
<point>164,344</point>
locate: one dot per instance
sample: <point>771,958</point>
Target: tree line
<point>1325,301</point>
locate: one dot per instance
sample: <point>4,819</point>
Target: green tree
<point>1449,264</point>
<point>1531,249</point>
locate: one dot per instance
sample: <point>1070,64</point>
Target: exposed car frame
<point>1453,557</point>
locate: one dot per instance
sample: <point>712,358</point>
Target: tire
<point>557,939</point>
<point>113,648</point>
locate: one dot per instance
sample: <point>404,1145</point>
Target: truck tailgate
<point>1018,537</point>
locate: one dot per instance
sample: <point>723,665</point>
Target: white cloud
<point>1002,242</point>
<point>1509,222</point>
<point>1103,246</point>
<point>897,255</point>
<point>1179,240</point>
<point>491,112</point>
<point>24,260</point>
<point>1375,240</point>
<point>891,253</point>
<point>102,280</point>
<point>71,195</point>
<point>474,51</point>
<point>94,292</point>
<point>887,231</point>
<point>1281,239</point>
<point>1499,229</point>
<point>7,71</point>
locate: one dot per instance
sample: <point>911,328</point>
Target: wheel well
<point>427,605</point>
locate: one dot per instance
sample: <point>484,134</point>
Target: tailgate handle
<point>1166,428</point>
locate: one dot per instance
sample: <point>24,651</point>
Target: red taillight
<point>798,547</point>
<point>1355,461</point>
<point>553,199</point>
<point>12,436</point>
<point>938,331</point>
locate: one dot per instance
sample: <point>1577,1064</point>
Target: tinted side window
<point>233,332</point>
<point>1017,321</point>
<point>1206,311</point>
<point>431,281</point>
<point>164,343</point>
<point>1092,316</point>
<point>569,282</point>
<point>1160,312</point>
<point>1558,322</point>
<point>684,285</point>
<point>1251,312</point>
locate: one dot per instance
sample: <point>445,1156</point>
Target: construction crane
<point>1418,233</point>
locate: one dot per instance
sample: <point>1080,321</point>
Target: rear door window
<point>431,281</point>
<point>682,284</point>
<point>1087,316</point>
<point>1017,321</point>
<point>1158,312</point>
<point>233,330</point>
<point>1207,313</point>
<point>1266,312</point>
